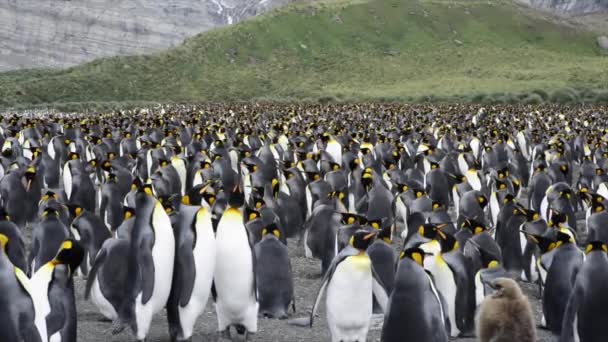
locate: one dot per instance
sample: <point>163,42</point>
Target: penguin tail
<point>305,322</point>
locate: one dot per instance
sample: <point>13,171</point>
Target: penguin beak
<point>370,235</point>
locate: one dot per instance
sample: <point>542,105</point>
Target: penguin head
<point>251,214</point>
<point>271,230</point>
<point>447,241</point>
<point>544,243</point>
<point>350,219</point>
<point>482,200</point>
<point>556,218</point>
<point>530,215</point>
<point>75,210</point>
<point>49,212</point>
<point>474,226</point>
<point>563,239</point>
<point>416,254</point>
<point>367,178</point>
<point>591,246</point>
<point>362,239</point>
<point>505,288</point>
<point>128,213</point>
<point>385,234</point>
<point>70,254</point>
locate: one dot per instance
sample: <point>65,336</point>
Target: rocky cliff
<point>60,33</point>
<point>570,7</point>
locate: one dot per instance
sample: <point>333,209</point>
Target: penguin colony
<point>161,209</point>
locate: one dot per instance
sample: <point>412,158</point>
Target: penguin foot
<point>117,327</point>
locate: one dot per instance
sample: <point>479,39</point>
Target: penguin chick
<point>505,315</point>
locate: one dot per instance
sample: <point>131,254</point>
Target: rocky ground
<point>91,328</point>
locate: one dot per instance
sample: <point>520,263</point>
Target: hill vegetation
<point>409,50</point>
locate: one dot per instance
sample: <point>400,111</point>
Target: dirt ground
<point>91,328</point>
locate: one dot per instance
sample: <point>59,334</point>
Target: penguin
<point>90,232</point>
<point>274,277</point>
<point>18,313</point>
<point>47,237</point>
<point>350,283</point>
<point>52,289</point>
<point>108,277</point>
<point>416,310</point>
<point>150,266</point>
<point>235,271</point>
<point>111,202</point>
<point>451,274</point>
<point>193,270</point>
<point>506,315</point>
<point>78,186</point>
<point>565,264</point>
<point>15,246</point>
<point>320,235</point>
<point>384,258</point>
<point>585,318</point>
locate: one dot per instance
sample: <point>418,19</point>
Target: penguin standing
<point>150,266</point>
<point>505,315</point>
<point>558,285</point>
<point>108,276</point>
<point>90,232</point>
<point>18,314</point>
<point>47,237</point>
<point>350,283</point>
<point>193,275</point>
<point>585,318</point>
<point>274,277</point>
<point>415,311</point>
<point>234,278</point>
<point>52,289</point>
<point>15,250</point>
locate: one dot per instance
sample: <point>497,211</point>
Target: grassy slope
<point>348,49</point>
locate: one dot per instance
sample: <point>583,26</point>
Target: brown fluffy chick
<point>506,315</point>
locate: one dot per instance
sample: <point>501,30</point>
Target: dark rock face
<point>62,33</point>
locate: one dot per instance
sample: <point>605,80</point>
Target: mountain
<point>570,7</point>
<point>345,49</point>
<point>60,33</point>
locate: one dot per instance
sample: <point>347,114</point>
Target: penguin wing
<point>99,260</point>
<point>147,268</point>
<point>254,266</point>
<point>465,306</point>
<point>379,290</point>
<point>187,272</point>
<point>568,321</point>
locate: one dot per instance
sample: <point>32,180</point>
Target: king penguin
<point>585,318</point>
<point>416,311</point>
<point>17,315</point>
<point>274,277</point>
<point>52,289</point>
<point>150,265</point>
<point>234,278</point>
<point>193,275</point>
<point>350,283</point>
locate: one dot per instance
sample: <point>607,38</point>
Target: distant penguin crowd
<point>426,215</point>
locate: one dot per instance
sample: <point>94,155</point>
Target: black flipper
<point>99,259</point>
<point>187,272</point>
<point>147,269</point>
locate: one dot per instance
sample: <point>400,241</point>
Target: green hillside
<point>377,49</point>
